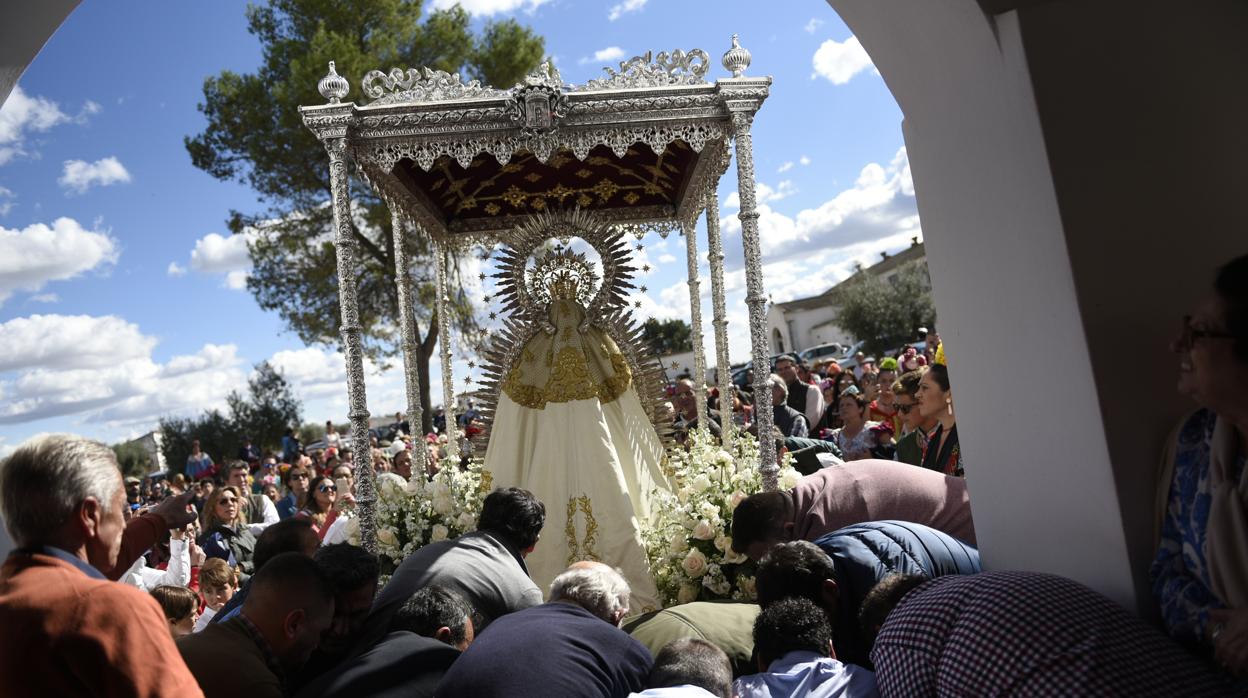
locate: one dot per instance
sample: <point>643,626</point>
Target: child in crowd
<point>885,448</point>
<point>217,583</point>
<point>179,605</point>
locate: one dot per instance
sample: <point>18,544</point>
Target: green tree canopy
<point>133,459</point>
<point>254,135</point>
<point>263,415</point>
<point>886,314</point>
<point>667,336</point>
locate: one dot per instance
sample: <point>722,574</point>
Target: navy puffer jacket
<point>866,553</point>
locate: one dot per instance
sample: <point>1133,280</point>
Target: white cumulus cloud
<point>785,167</point>
<point>880,205</point>
<point>175,270</point>
<point>803,160</point>
<point>488,8</point>
<point>610,53</point>
<point>21,115</point>
<point>62,342</point>
<point>80,175</point>
<point>813,25</point>
<point>228,255</point>
<point>623,8</point>
<point>838,62</point>
<point>38,253</point>
<point>102,368</point>
<point>6,201</point>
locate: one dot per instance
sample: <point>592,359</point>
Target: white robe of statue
<point>570,428</point>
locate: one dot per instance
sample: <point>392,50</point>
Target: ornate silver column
<point>407,325</point>
<point>695,321</point>
<point>352,347</point>
<point>444,345</point>
<point>723,374</point>
<point>755,298</point>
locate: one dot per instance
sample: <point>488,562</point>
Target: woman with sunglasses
<point>914,426</point>
<point>1200,574</point>
<point>320,509</point>
<point>225,532</point>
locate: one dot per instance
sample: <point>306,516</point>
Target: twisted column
<point>444,344</point>
<point>695,322</point>
<point>715,259</point>
<point>755,299</point>
<point>352,346</point>
<point>407,325</point>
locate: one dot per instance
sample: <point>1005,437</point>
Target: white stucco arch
<point>1058,150</point>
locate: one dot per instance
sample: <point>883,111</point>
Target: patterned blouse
<point>858,447</point>
<point>1180,572</point>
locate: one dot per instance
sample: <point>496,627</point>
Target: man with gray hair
<point>570,646</point>
<point>788,420</point>
<point>65,629</point>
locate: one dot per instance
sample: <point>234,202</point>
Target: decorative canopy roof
<point>640,147</point>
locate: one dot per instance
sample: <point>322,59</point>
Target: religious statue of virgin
<point>568,422</point>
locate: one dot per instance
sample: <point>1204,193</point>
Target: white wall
<point>1079,167</point>
<point>1003,287</point>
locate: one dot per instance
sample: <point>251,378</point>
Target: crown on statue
<point>565,286</point>
<point>939,358</point>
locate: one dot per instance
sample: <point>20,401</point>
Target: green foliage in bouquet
<point>688,543</point>
<point>425,511</point>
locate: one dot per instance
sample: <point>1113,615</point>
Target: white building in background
<point>806,322</point>
<point>150,443</point>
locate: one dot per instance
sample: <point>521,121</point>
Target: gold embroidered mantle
<point>569,364</point>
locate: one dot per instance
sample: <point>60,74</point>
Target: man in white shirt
<point>793,641</point>
<point>260,510</point>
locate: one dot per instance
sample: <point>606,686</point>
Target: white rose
<point>789,478</point>
<point>732,557</point>
<point>724,458</point>
<point>388,537</point>
<point>694,563</point>
<point>736,498</point>
<point>723,543</point>
<point>688,593</point>
<point>700,483</point>
<point>709,510</point>
<point>703,530</point>
<point>439,532</point>
<point>679,544</point>
<point>465,521</point>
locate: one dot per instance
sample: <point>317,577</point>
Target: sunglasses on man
<point>904,409</point>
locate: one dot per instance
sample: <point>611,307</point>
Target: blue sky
<point>119,298</point>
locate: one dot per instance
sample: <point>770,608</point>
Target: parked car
<point>819,351</point>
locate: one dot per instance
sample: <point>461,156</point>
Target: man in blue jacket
<point>838,570</point>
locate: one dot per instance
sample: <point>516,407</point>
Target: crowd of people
<point>897,408</point>
<point>236,581</point>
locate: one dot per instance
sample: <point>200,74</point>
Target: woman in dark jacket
<point>225,533</point>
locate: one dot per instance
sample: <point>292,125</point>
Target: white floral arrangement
<point>424,511</point>
<point>689,542</point>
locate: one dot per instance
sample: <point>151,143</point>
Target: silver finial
<point>333,86</point>
<point>737,59</point>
